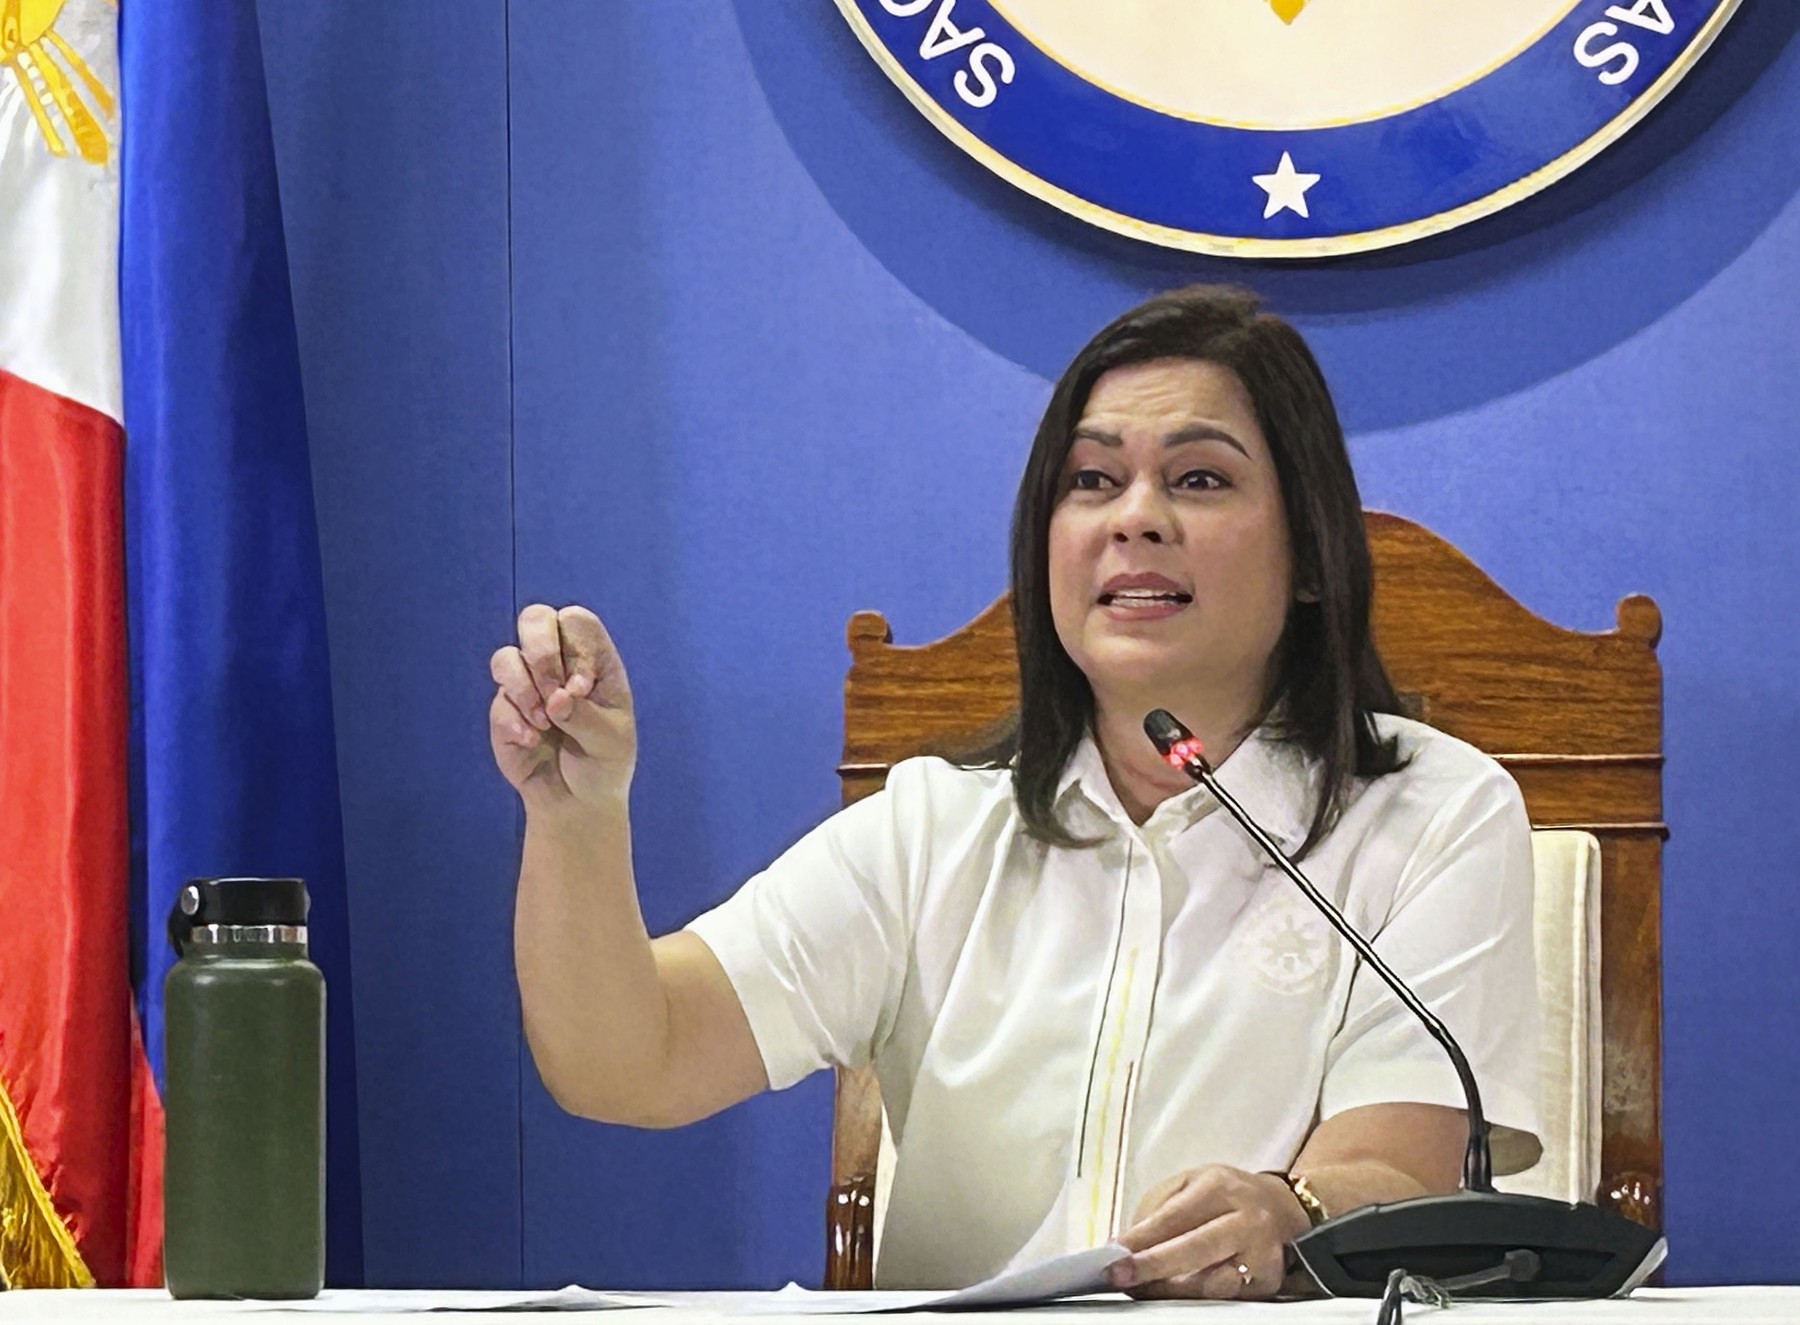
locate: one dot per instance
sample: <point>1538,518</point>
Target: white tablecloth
<point>1666,1306</point>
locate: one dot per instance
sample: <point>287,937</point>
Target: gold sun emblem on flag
<point>48,69</point>
<point>1287,10</point>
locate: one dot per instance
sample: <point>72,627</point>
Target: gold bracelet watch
<point>1297,1183</point>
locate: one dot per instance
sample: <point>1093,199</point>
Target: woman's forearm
<point>1356,1183</point>
<point>594,1010</point>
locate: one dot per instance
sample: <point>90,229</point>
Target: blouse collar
<point>1272,778</point>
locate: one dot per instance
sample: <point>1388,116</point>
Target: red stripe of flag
<point>71,1059</point>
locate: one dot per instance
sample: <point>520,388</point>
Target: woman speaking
<point>1094,1009</point>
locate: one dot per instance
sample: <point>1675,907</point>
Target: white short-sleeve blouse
<point>1058,1030</point>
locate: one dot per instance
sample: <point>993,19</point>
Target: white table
<point>1651,1306</point>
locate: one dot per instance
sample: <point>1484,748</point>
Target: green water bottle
<point>244,1046</point>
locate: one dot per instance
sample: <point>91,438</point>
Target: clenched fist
<point>561,723</point>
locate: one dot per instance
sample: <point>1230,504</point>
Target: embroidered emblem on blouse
<point>1288,950</point>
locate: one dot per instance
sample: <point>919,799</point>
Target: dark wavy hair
<point>1329,679</point>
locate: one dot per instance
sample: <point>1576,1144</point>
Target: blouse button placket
<point>1097,1212</point>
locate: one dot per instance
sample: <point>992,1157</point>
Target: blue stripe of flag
<point>233,757</point>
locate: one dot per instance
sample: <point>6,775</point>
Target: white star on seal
<point>1286,188</point>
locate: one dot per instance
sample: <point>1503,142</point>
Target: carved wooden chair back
<point>1575,717</point>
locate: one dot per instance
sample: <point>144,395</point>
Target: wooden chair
<point>1576,718</point>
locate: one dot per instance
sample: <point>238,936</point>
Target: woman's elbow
<point>602,1097</point>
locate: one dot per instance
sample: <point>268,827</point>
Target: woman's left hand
<point>1211,1232</point>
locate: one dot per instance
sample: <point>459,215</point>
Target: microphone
<point>1502,1244</point>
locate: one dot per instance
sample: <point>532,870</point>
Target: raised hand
<point>561,722</point>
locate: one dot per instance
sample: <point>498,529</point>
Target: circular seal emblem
<point>1284,128</point>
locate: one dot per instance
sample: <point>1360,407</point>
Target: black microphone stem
<point>1478,1163</point>
<point>1501,1244</point>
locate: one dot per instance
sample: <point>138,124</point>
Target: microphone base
<point>1583,1250</point>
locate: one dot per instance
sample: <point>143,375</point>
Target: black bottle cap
<point>236,901</point>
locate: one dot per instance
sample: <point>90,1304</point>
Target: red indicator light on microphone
<point>1184,750</point>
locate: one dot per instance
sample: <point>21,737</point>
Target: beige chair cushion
<point>1568,960</point>
<point>884,1183</point>
<point>1567,925</point>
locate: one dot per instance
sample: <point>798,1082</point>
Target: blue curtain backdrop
<point>678,308</point>
<point>233,760</point>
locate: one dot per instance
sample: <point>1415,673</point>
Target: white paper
<point>368,1301</point>
<point>1074,1275</point>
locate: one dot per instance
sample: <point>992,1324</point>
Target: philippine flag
<point>80,1126</point>
<point>165,700</point>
